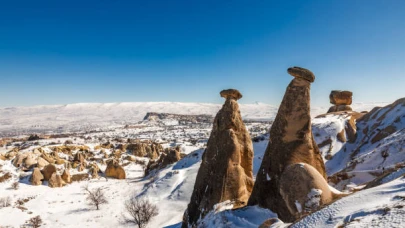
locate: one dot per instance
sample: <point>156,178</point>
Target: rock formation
<point>66,176</point>
<point>291,142</point>
<point>304,189</point>
<point>169,156</point>
<point>36,177</point>
<point>114,170</point>
<point>47,171</point>
<point>341,101</point>
<point>56,181</point>
<point>226,169</point>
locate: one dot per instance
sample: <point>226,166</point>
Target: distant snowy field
<point>90,116</point>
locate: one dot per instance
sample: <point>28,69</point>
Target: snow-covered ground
<point>170,188</point>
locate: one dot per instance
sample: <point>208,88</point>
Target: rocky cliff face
<point>226,168</point>
<point>291,142</point>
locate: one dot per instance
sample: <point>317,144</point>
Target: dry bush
<point>35,221</point>
<point>95,197</point>
<point>5,202</point>
<point>139,211</point>
<point>15,185</point>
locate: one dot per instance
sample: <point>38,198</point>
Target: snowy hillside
<point>170,188</point>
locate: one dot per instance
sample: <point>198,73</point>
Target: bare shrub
<point>5,202</point>
<point>95,197</point>
<point>139,211</point>
<point>35,221</point>
<point>15,185</point>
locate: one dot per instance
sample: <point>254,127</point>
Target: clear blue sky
<point>58,52</point>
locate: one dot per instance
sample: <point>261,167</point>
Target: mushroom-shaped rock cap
<point>303,73</point>
<point>231,93</point>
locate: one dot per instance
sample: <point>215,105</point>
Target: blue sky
<point>58,52</point>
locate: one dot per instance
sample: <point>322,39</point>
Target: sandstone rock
<point>137,149</point>
<point>18,160</point>
<point>340,108</point>
<point>114,170</point>
<point>231,93</point>
<point>351,129</point>
<point>94,169</point>
<point>30,160</point>
<point>338,97</point>
<point>47,171</point>
<point>304,189</point>
<point>47,158</point>
<point>299,72</point>
<point>170,156</point>
<point>80,177</point>
<point>42,162</point>
<point>341,136</point>
<point>226,169</point>
<point>79,157</point>
<point>2,157</point>
<point>291,142</point>
<point>66,176</point>
<point>56,181</point>
<point>36,177</point>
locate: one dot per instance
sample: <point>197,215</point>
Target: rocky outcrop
<point>36,177</point>
<point>114,170</point>
<point>66,176</point>
<point>341,101</point>
<point>304,189</point>
<point>291,142</point>
<point>47,171</point>
<point>140,149</point>
<point>56,181</point>
<point>169,156</point>
<point>226,169</point>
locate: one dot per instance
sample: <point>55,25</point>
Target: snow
<point>171,188</point>
<point>362,209</point>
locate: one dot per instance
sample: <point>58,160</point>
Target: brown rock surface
<point>299,72</point>
<point>340,108</point>
<point>66,176</point>
<point>114,170</point>
<point>226,169</point>
<point>291,142</point>
<point>47,171</point>
<point>42,162</point>
<point>56,181</point>
<point>36,177</point>
<point>170,156</point>
<point>338,97</point>
<point>304,189</point>
<point>231,93</point>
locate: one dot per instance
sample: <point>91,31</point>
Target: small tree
<point>140,211</point>
<point>95,197</point>
<point>35,221</point>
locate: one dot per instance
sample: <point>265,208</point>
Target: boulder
<point>305,190</point>
<point>36,177</point>
<point>19,159</point>
<point>114,170</point>
<point>339,97</point>
<point>47,171</point>
<point>56,181</point>
<point>226,171</point>
<point>340,108</point>
<point>66,176</point>
<point>291,142</point>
